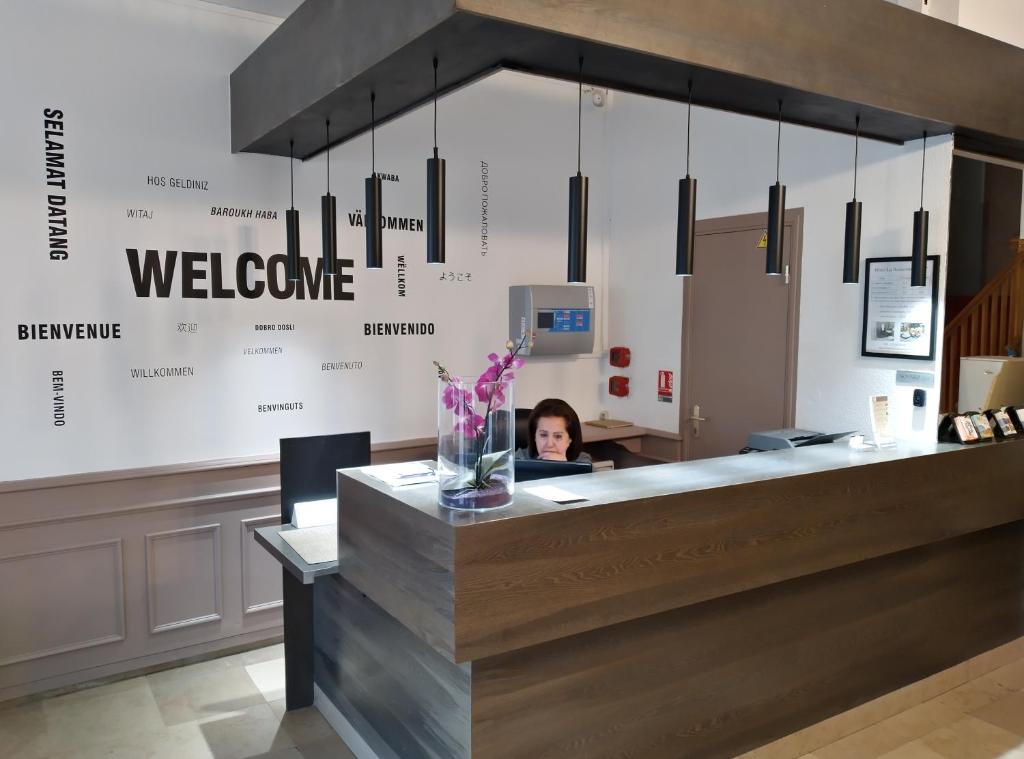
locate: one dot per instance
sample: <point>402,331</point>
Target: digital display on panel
<point>572,320</point>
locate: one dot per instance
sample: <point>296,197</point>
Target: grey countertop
<point>651,481</point>
<point>270,538</point>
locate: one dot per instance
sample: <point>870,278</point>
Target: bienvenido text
<point>398,328</point>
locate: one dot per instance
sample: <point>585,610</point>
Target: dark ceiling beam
<point>903,72</point>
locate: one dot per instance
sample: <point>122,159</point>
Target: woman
<point>555,433</point>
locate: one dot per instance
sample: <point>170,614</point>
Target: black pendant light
<point>687,205</point>
<point>435,196</point>
<point>291,218</point>
<point>578,189</point>
<point>919,251</point>
<point>851,246</point>
<point>329,217</point>
<point>374,243</point>
<point>776,212</point>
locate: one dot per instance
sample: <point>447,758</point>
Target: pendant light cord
<point>778,146</point>
<point>328,156</point>
<point>856,152</point>
<point>291,168</point>
<point>689,104</point>
<point>923,143</point>
<point>435,106</point>
<point>373,138</point>
<point>579,125</point>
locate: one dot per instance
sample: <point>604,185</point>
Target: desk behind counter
<point>700,608</point>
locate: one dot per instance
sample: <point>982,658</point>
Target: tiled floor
<point>227,708</point>
<point>233,707</point>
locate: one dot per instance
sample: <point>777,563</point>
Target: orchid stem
<point>487,415</point>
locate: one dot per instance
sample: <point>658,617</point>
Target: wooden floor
<point>231,708</point>
<point>982,718</point>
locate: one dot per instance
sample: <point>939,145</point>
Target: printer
<point>774,440</point>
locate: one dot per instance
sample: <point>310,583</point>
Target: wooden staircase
<point>988,325</point>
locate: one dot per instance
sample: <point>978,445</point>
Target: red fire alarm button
<point>619,357</point>
<point>618,386</point>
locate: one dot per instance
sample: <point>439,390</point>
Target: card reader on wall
<point>561,318</point>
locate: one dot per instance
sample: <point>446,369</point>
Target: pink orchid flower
<point>490,388</point>
<point>470,425</point>
<point>456,399</point>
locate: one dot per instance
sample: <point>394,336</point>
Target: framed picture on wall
<point>899,320</point>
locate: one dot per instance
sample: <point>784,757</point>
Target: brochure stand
<point>881,434</point>
<point>957,428</point>
<point>1002,424</point>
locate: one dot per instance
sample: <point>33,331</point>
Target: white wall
<point>144,87</point>
<point>733,158</point>
<point>144,91</point>
<point>525,129</point>
<point>1002,19</point>
<point>942,9</point>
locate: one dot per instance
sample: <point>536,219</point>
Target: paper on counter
<point>551,493</point>
<point>315,513</point>
<point>399,475</point>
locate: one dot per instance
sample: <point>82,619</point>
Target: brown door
<point>739,335</point>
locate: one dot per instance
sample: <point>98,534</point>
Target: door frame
<point>794,231</point>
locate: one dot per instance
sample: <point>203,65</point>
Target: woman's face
<point>552,438</point>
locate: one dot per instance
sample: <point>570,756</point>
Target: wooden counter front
<point>694,609</point>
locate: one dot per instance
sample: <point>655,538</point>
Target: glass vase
<point>475,444</point>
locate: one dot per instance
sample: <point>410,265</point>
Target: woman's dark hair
<point>559,408</point>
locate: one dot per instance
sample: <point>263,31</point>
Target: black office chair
<point>308,473</point>
<point>523,427</point>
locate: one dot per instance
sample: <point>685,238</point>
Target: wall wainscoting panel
<point>102,575</point>
<point>79,592</point>
<point>261,573</point>
<point>137,550</point>
<point>183,577</point>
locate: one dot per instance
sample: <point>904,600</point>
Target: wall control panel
<point>561,318</point>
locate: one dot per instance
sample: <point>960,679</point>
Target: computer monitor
<point>539,469</point>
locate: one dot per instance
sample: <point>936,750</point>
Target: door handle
<point>696,419</point>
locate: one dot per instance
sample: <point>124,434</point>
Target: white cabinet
<point>990,381</point>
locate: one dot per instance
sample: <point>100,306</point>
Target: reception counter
<point>696,609</point>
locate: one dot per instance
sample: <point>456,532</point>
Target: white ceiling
<point>279,8</point>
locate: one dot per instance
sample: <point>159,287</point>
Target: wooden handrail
<point>987,291</point>
<point>988,325</point>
